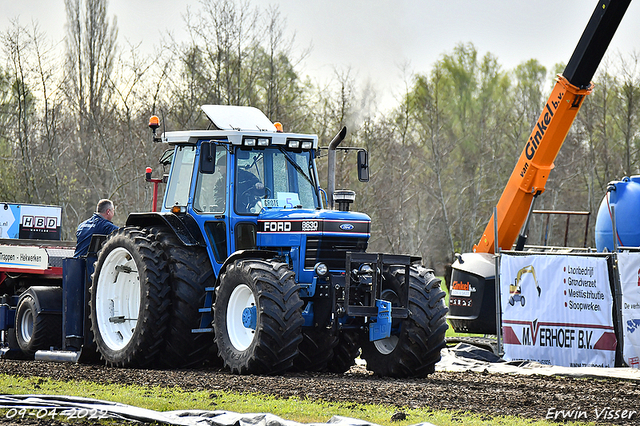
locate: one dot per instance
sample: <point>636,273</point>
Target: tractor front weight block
<point>363,284</point>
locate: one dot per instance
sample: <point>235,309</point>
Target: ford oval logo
<point>346,227</point>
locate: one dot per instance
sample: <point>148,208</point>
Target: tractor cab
<point>248,186</point>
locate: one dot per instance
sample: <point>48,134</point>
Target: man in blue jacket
<point>99,223</point>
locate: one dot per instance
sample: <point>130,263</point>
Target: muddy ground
<point>485,394</point>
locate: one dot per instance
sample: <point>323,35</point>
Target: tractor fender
<point>48,300</point>
<point>245,254</point>
<point>183,226</point>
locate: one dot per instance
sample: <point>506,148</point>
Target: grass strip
<point>296,409</point>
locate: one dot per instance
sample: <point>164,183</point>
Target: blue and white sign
<point>28,221</point>
<point>629,267</point>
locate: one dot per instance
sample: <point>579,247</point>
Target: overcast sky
<point>375,38</point>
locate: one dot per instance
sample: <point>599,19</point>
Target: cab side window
<point>180,180</point>
<point>211,189</point>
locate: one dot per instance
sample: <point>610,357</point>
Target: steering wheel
<point>250,196</point>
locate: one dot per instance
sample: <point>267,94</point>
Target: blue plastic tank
<point>624,195</point>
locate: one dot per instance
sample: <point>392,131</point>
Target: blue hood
<point>285,227</point>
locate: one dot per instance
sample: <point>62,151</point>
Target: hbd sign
<point>40,222</point>
<point>30,221</point>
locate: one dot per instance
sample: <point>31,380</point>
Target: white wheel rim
<point>387,345</point>
<point>118,299</point>
<point>26,325</point>
<point>239,335</point>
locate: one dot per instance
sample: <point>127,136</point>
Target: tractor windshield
<point>274,178</point>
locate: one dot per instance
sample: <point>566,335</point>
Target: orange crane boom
<point>531,172</point>
<point>530,175</point>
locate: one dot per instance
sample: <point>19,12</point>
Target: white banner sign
<point>23,257</point>
<point>629,267</point>
<point>557,310</point>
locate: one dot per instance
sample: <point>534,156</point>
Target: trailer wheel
<point>190,273</point>
<point>36,330</point>
<point>345,353</point>
<point>130,299</point>
<point>414,346</point>
<point>15,351</point>
<point>258,317</point>
<point>315,350</point>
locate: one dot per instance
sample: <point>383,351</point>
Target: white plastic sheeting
<point>62,408</point>
<point>465,357</point>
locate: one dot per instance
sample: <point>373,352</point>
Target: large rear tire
<point>345,352</point>
<point>190,273</point>
<point>414,346</point>
<point>315,350</point>
<point>258,317</point>
<point>130,299</point>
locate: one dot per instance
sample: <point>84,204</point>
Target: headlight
<point>293,144</point>
<point>365,269</point>
<point>249,142</point>
<point>307,145</point>
<point>263,142</point>
<point>321,269</point>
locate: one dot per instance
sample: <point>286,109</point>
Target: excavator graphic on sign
<point>515,289</point>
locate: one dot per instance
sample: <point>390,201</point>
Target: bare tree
<point>90,52</point>
<point>628,116</point>
<point>431,121</point>
<point>17,45</point>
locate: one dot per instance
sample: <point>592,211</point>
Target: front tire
<point>414,346</point>
<point>258,317</point>
<point>130,299</point>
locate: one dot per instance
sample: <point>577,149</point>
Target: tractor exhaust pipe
<point>331,179</point>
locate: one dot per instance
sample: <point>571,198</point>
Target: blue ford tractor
<point>249,265</point>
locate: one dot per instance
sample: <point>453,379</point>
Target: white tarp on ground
<point>63,408</point>
<point>629,268</point>
<point>557,310</point>
<point>465,357</point>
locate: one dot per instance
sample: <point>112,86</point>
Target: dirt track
<point>487,394</point>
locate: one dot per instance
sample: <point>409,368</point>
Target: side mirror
<point>207,157</point>
<point>166,158</point>
<point>363,166</point>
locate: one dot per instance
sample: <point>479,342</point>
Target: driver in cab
<point>249,189</point>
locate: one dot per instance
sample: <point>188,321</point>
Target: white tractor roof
<point>236,123</point>
<point>230,117</point>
